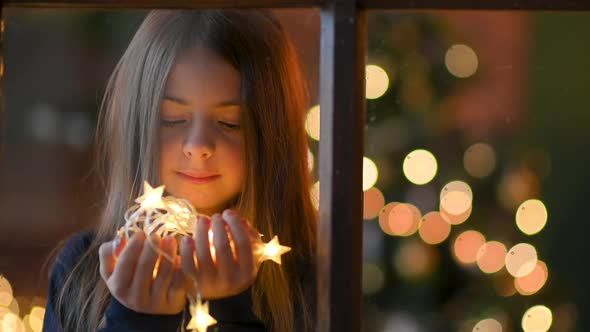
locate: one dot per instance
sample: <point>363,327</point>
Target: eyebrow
<point>227,103</point>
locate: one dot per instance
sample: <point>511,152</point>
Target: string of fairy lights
<point>171,216</point>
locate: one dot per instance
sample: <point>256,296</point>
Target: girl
<point>210,104</point>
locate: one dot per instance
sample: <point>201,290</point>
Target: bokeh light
<point>433,229</point>
<point>534,281</point>
<point>373,202</point>
<point>404,219</point>
<point>310,160</point>
<point>488,325</point>
<point>531,216</point>
<point>467,245</point>
<point>312,122</point>
<point>479,160</point>
<point>537,319</point>
<point>372,278</point>
<point>377,81</point>
<point>384,217</point>
<point>456,198</point>
<point>370,173</point>
<point>415,260</point>
<point>420,167</point>
<point>6,294</point>
<point>36,318</point>
<point>461,61</point>
<point>521,260</point>
<point>455,219</point>
<point>12,323</point>
<point>315,195</point>
<point>491,257</point>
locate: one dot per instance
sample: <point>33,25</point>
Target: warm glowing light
<point>377,81</point>
<point>5,292</point>
<point>467,245</point>
<point>433,229</point>
<point>521,260</point>
<point>479,160</point>
<point>455,219</point>
<point>373,201</point>
<point>315,195</point>
<point>273,251</point>
<point>310,160</point>
<point>312,122</point>
<point>414,259</point>
<point>488,325</point>
<point>200,319</point>
<point>12,323</point>
<point>3,312</point>
<point>151,198</point>
<point>456,198</point>
<point>384,218</point>
<point>491,257</point>
<point>534,281</point>
<point>461,61</point>
<point>531,216</point>
<point>537,319</point>
<point>14,307</point>
<point>36,319</point>
<point>404,219</point>
<point>372,279</point>
<point>370,173</point>
<point>420,167</point>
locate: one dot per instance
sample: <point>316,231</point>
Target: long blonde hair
<point>275,195</point>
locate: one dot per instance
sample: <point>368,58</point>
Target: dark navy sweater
<point>233,314</point>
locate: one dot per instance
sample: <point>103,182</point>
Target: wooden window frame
<point>342,100</point>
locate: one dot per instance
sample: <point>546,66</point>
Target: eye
<point>173,123</point>
<point>229,125</point>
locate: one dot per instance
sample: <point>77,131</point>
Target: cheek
<point>166,149</point>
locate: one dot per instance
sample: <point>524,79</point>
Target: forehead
<point>201,76</point>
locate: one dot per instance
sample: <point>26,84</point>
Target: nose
<point>199,142</point>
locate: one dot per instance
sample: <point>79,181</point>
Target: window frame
<point>342,100</point>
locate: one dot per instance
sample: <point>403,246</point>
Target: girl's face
<point>201,140</point>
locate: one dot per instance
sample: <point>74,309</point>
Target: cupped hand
<point>130,270</point>
<point>231,270</point>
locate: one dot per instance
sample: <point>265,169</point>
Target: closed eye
<point>229,125</point>
<point>167,123</point>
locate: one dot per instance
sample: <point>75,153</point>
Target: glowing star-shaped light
<point>151,198</point>
<point>273,250</point>
<point>200,319</point>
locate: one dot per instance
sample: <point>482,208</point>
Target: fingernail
<point>188,241</point>
<point>229,213</point>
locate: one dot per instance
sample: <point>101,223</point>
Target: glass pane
<point>57,64</point>
<point>475,172</point>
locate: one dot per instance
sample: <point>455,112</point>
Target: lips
<point>197,176</point>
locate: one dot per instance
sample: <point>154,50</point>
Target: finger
<point>176,288</point>
<point>118,245</point>
<point>202,247</point>
<point>127,261</point>
<point>144,274</point>
<point>226,264</point>
<point>187,257</point>
<point>165,272</point>
<point>239,234</point>
<point>107,261</point>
